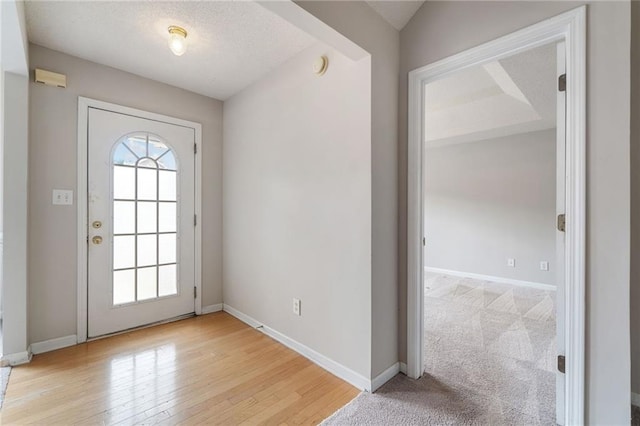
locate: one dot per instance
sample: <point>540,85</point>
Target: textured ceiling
<point>396,12</point>
<point>510,96</point>
<point>231,44</point>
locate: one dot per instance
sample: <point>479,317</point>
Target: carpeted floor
<point>490,352</point>
<point>4,381</point>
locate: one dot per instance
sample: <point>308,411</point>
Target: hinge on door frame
<point>195,292</point>
<point>562,223</point>
<point>195,220</point>
<point>561,363</point>
<point>195,148</point>
<point>562,83</point>
<point>424,241</point>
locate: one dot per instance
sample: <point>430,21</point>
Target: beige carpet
<point>490,351</point>
<point>4,381</point>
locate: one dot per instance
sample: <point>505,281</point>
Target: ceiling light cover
<point>177,40</point>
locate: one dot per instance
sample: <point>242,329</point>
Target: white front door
<point>141,206</point>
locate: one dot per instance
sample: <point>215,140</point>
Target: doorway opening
<point>493,256</point>
<point>565,253</point>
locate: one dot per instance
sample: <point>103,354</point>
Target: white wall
<point>52,164</point>
<point>297,204</point>
<point>362,25</point>
<point>490,200</point>
<point>441,29</point>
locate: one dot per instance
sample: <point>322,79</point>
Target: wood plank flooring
<point>211,369</point>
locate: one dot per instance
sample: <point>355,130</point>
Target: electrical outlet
<point>296,306</point>
<point>544,265</point>
<point>62,197</point>
<point>511,262</point>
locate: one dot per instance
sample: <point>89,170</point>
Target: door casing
<point>569,27</point>
<point>82,208</point>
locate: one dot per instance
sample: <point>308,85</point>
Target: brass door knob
<point>97,239</point>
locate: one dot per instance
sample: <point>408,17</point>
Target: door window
<point>144,211</point>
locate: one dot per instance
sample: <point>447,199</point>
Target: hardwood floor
<point>211,369</point>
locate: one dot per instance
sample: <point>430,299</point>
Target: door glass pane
<point>147,250</point>
<point>156,147</point>
<point>144,207</point>
<point>167,251</point>
<point>124,252</point>
<point>137,144</point>
<point>167,161</point>
<point>167,218</point>
<point>147,283</point>
<point>124,217</point>
<point>124,186</point>
<point>147,179</point>
<point>167,188</point>
<point>123,155</point>
<point>168,283</point>
<point>124,286</point>
<point>147,217</point>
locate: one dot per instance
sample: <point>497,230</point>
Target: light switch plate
<point>62,197</point>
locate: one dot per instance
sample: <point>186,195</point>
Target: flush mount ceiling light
<point>177,40</point>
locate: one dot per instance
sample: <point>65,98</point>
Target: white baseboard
<point>211,309</point>
<point>328,364</point>
<point>53,344</point>
<point>17,358</point>
<point>403,368</point>
<point>635,399</point>
<point>502,280</point>
<point>242,317</point>
<point>385,376</point>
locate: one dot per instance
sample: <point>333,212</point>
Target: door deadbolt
<point>97,239</point>
<point>97,224</point>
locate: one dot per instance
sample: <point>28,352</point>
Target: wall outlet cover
<point>511,262</point>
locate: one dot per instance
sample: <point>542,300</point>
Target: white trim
<point>199,219</point>
<point>241,316</point>
<point>519,283</point>
<point>18,358</point>
<point>328,364</point>
<point>403,368</point>
<point>635,399</point>
<point>82,225</point>
<point>210,309</point>
<point>570,27</point>
<point>385,376</point>
<point>54,344</point>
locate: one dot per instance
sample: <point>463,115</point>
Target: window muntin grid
<point>144,211</point>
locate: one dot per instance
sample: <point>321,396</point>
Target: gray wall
<point>490,200</point>
<point>297,204</point>
<point>52,159</point>
<point>440,29</point>
<point>15,271</point>
<point>14,118</point>
<point>635,197</point>
<point>362,25</point>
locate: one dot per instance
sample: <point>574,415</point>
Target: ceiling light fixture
<point>177,40</point>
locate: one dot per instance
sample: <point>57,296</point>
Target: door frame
<point>82,198</point>
<point>570,27</point>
